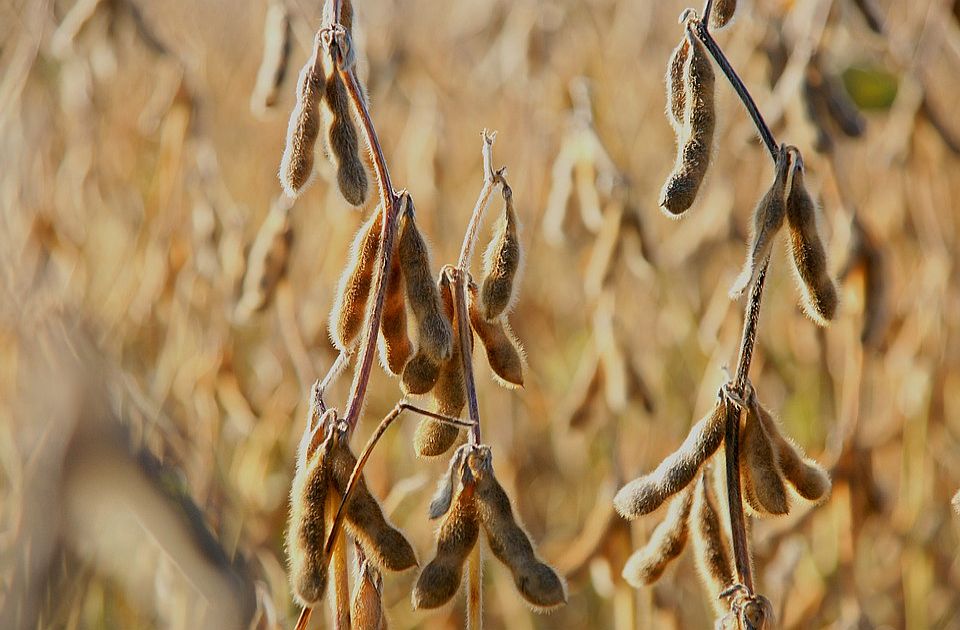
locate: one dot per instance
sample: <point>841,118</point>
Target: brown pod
<point>353,292</point>
<point>441,577</point>
<point>366,607</point>
<point>693,157</point>
<point>645,494</point>
<point>806,476</point>
<point>763,486</point>
<point>504,353</point>
<point>809,257</point>
<point>296,166</point>
<point>435,335</point>
<point>383,543</point>
<point>536,581</point>
<point>867,258</point>
<point>676,91</point>
<point>501,263</point>
<point>722,13</point>
<point>842,110</point>
<point>710,542</point>
<point>443,495</point>
<point>306,527</point>
<point>267,262</point>
<point>277,40</point>
<point>394,344</point>
<point>768,218</point>
<point>419,374</point>
<point>666,543</point>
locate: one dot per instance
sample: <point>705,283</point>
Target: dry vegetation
<point>168,306</point>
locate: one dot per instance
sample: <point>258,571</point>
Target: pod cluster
<point>469,500</point>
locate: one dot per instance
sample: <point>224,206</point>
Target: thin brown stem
<point>304,619</point>
<point>490,180</point>
<point>475,590</point>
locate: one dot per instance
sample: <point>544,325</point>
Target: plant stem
<point>475,590</point>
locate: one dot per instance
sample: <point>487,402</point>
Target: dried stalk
<point>475,590</point>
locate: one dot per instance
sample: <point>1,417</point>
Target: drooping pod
<point>668,540</point>
<point>267,262</point>
<point>504,353</point>
<point>382,543</point>
<point>693,156</point>
<point>353,292</point>
<point>536,581</point>
<point>419,374</point>
<point>441,577</point>
<point>366,607</point>
<point>394,343</point>
<point>806,476</point>
<point>676,90</point>
<point>809,257</point>
<point>768,217</point>
<point>502,262</point>
<point>763,486</point>
<point>710,542</point>
<point>645,494</point>
<point>296,166</point>
<point>723,11</point>
<point>443,495</point>
<point>277,40</point>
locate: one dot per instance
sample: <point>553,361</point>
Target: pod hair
<point>806,476</point>
<point>350,307</point>
<point>667,542</point>
<point>722,13</point>
<point>303,129</point>
<point>645,494</point>
<point>366,607</point>
<point>536,581</point>
<point>763,486</point>
<point>443,495</point>
<point>676,90</point>
<point>693,156</point>
<point>277,45</point>
<point>709,541</point>
<point>267,262</point>
<point>809,257</point>
<point>768,217</point>
<point>502,262</point>
<point>504,352</point>
<point>394,344</point>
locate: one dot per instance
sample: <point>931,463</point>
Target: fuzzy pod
<point>366,606</point>
<point>394,343</point>
<point>267,262</point>
<point>419,374</point>
<point>434,330</point>
<point>456,538</point>
<point>693,156</point>
<point>666,543</point>
<point>806,476</point>
<point>443,495</point>
<point>645,494</point>
<point>277,45</point>
<point>536,581</point>
<point>353,292</point>
<point>809,256</point>
<point>306,527</point>
<point>383,543</point>
<point>501,263</point>
<point>763,486</point>
<point>303,129</point>
<point>676,90</point>
<point>722,14</point>
<point>710,544</point>
<point>757,614</point>
<point>346,14</point>
<point>768,217</point>
<point>504,352</point>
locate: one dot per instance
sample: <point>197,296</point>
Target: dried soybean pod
<point>763,486</point>
<point>435,336</point>
<point>419,374</point>
<point>645,494</point>
<point>809,257</point>
<point>806,476</point>
<point>383,543</point>
<point>723,11</point>
<point>394,343</point>
<point>296,166</point>
<point>709,541</point>
<point>366,607</point>
<point>693,157</point>
<point>346,14</point>
<point>441,577</point>
<point>536,581</point>
<point>353,292</point>
<point>504,353</point>
<point>277,38</point>
<point>267,262</point>
<point>305,530</point>
<point>676,91</point>
<point>666,543</point>
<point>502,262</point>
<point>443,495</point>
<point>768,218</point>
<point>843,110</point>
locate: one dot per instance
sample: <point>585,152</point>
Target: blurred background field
<point>135,174</point>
